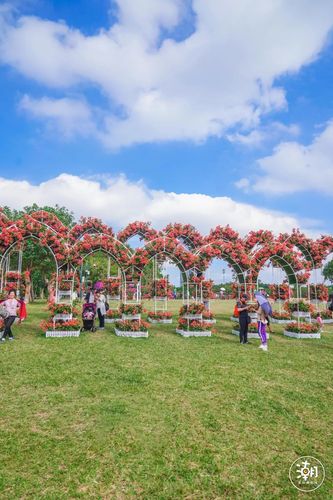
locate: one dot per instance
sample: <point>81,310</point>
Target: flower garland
<point>143,229</point>
<point>186,233</point>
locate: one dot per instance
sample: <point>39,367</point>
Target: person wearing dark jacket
<point>243,317</point>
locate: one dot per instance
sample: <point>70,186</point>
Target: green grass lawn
<point>165,417</point>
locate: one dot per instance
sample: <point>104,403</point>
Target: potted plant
<point>163,317</point>
<point>69,328</point>
<point>303,330</point>
<point>192,328</point>
<point>192,311</point>
<point>208,317</point>
<point>281,317</point>
<point>131,311</point>
<point>135,329</point>
<point>112,315</point>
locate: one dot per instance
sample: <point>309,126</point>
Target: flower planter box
<point>62,333</point>
<point>209,321</point>
<point>233,318</point>
<point>134,317</point>
<point>301,314</point>
<point>114,297</point>
<point>63,316</point>
<point>111,320</point>
<point>297,335</point>
<point>121,333</point>
<point>253,316</point>
<point>192,316</point>
<point>250,335</point>
<point>325,321</point>
<point>281,321</point>
<point>188,333</point>
<point>160,321</point>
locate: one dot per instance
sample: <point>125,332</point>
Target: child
<point>319,320</point>
<point>262,322</point>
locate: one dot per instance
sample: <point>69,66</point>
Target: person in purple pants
<point>262,323</point>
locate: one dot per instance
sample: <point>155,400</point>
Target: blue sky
<point>183,145</point>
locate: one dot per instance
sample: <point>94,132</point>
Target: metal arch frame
<point>183,271</point>
<point>33,236</point>
<point>109,254</point>
<point>239,271</point>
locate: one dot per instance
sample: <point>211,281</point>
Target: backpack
<point>236,312</point>
<point>3,312</point>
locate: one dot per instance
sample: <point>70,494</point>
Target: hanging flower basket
<point>303,331</point>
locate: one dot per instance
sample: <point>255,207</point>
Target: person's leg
<point>8,323</point>
<point>262,334</point>
<point>246,329</point>
<point>100,318</point>
<point>241,329</point>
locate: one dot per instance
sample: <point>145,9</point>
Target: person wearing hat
<point>243,318</point>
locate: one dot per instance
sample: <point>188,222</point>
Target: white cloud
<point>294,167</point>
<point>218,78</point>
<point>68,116</point>
<point>118,201</point>
<point>270,132</point>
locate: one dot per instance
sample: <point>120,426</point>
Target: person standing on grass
<point>262,323</point>
<point>101,308</point>
<point>13,307</point>
<point>243,318</point>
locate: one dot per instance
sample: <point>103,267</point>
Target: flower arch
<point>50,220</point>
<point>225,233</point>
<point>142,229</point>
<point>284,257</point>
<point>170,247</point>
<point>26,227</point>
<point>89,225</point>
<point>232,253</point>
<point>90,243</point>
<point>186,233</point>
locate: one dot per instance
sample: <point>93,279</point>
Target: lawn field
<point>162,418</point>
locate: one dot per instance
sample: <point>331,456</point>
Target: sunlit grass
<point>163,417</point>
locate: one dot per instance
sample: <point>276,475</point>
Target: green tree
<point>63,214</point>
<point>328,271</point>
<point>36,258</point>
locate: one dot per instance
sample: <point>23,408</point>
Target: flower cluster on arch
<point>183,244</point>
